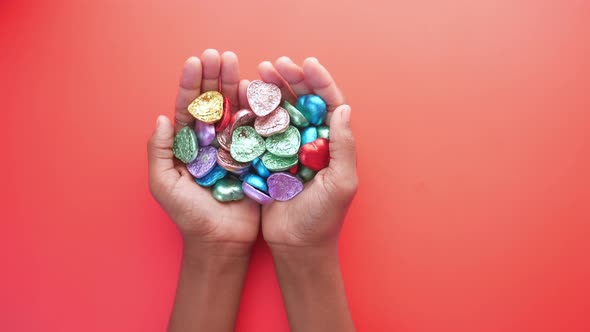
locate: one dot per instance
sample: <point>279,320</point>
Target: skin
<point>302,233</point>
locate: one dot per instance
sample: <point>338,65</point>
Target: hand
<point>203,221</point>
<point>314,217</point>
<point>303,232</point>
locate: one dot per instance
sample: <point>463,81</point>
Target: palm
<point>200,214</point>
<point>302,219</point>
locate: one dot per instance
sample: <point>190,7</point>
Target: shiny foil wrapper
<point>208,107</point>
<point>263,97</point>
<point>224,138</point>
<point>284,144</point>
<point>246,144</point>
<point>242,117</point>
<point>226,117</point>
<point>225,160</point>
<point>273,123</point>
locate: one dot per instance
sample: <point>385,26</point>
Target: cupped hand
<point>200,218</point>
<point>315,216</point>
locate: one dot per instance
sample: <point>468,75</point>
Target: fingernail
<point>229,53</point>
<point>158,122</point>
<point>313,59</point>
<point>284,58</point>
<point>211,51</point>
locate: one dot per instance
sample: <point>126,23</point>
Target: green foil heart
<point>284,144</point>
<point>297,118</point>
<point>246,144</point>
<point>305,174</point>
<point>185,145</point>
<point>228,189</point>
<point>324,132</point>
<point>276,163</point>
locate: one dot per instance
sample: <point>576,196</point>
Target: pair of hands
<point>311,219</point>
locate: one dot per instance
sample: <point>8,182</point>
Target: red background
<point>473,128</point>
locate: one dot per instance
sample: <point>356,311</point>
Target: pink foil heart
<point>275,122</point>
<point>263,97</point>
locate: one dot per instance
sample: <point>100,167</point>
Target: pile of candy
<point>265,153</point>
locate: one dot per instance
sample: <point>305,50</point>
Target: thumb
<point>342,145</point>
<point>160,156</point>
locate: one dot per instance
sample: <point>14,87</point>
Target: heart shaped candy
<point>263,97</point>
<point>297,119</point>
<point>315,155</point>
<point>186,145</point>
<point>305,174</point>
<point>255,153</point>
<point>205,133</point>
<point>224,138</point>
<point>276,163</point>
<point>255,181</point>
<point>324,132</point>
<point>242,117</point>
<point>246,144</point>
<point>208,107</point>
<point>284,144</point>
<point>216,174</point>
<point>283,186</point>
<point>293,170</point>
<point>204,163</point>
<point>313,108</point>
<point>225,160</point>
<point>275,122</point>
<point>228,189</point>
<point>226,117</point>
<point>259,167</point>
<point>308,135</point>
<point>255,194</point>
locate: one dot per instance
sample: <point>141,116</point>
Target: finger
<point>211,68</point>
<point>189,89</point>
<point>160,156</point>
<point>269,74</point>
<point>293,75</point>
<point>342,145</point>
<point>242,97</point>
<point>329,118</point>
<point>230,77</point>
<point>321,82</point>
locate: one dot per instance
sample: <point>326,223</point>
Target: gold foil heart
<point>208,107</point>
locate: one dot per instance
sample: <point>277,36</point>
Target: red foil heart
<point>315,155</point>
<point>293,170</point>
<point>226,117</point>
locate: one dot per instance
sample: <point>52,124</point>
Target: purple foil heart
<point>205,161</point>
<point>205,133</point>
<point>255,194</point>
<point>283,186</point>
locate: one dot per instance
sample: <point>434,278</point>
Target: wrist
<point>306,256</point>
<point>212,264</point>
<point>196,249</point>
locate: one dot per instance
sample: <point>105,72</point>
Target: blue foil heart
<point>308,134</point>
<point>313,108</point>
